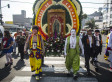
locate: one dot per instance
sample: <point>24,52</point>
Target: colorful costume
<point>106,51</point>
<point>73,58</point>
<point>109,48</point>
<point>72,51</point>
<point>36,55</point>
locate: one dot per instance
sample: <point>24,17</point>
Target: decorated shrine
<point>56,18</point>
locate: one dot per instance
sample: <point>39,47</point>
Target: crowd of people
<point>89,45</point>
<point>9,44</point>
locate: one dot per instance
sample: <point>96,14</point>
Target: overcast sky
<point>15,7</point>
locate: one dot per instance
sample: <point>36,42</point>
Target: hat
<point>97,31</point>
<point>35,27</point>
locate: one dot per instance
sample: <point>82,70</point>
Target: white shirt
<point>97,40</point>
<point>90,40</point>
<point>74,45</point>
<point>110,41</point>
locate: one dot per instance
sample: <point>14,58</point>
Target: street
<point>54,70</point>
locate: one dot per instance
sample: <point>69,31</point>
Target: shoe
<point>40,77</point>
<point>75,77</point>
<point>6,64</point>
<point>88,73</point>
<point>37,77</point>
<point>110,69</point>
<point>96,69</point>
<point>11,63</point>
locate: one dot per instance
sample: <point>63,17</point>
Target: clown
<point>109,48</point>
<point>106,51</point>
<point>36,45</point>
<point>71,51</point>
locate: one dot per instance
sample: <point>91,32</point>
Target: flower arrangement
<point>73,7</point>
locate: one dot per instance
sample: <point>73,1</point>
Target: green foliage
<point>91,24</point>
<point>84,16</point>
<point>55,46</point>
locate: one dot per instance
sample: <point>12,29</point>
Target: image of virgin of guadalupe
<point>56,29</point>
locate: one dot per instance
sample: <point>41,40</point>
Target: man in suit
<point>98,45</point>
<point>89,45</point>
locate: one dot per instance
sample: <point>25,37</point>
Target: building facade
<point>21,20</point>
<point>97,16</point>
<point>107,13</point>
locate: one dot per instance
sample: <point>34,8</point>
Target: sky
<point>15,7</point>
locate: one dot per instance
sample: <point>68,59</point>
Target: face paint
<point>73,32</point>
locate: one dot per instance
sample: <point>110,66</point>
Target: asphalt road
<point>54,70</point>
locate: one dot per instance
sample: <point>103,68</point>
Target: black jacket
<point>87,49</point>
<point>100,41</point>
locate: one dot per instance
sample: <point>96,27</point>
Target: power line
<point>22,2</point>
<point>90,7</point>
<point>95,3</point>
<point>81,2</point>
<point>18,1</point>
<point>33,3</point>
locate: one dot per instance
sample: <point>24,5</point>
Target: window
<point>110,15</point>
<point>1,35</point>
<point>110,22</point>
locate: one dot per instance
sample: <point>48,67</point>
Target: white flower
<point>52,50</point>
<point>47,50</point>
<point>51,45</point>
<point>58,50</point>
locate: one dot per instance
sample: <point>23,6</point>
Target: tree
<point>84,16</point>
<point>91,24</point>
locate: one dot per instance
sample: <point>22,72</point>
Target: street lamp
<point>1,16</point>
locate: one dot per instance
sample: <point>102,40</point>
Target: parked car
<point>1,36</point>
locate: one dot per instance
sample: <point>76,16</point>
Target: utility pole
<point>1,16</point>
<point>0,13</point>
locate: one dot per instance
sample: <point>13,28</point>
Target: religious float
<point>56,18</point>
